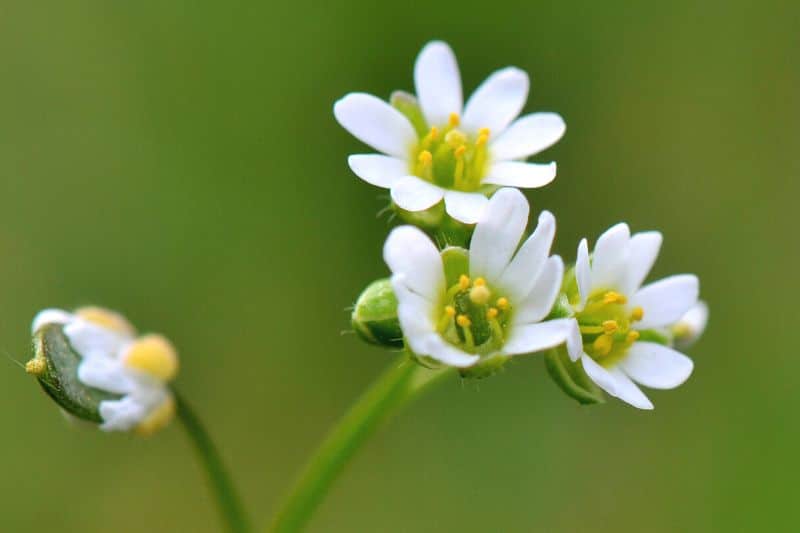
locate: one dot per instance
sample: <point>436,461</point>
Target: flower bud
<point>571,377</point>
<point>375,315</point>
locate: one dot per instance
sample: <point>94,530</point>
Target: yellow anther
<point>480,294</point>
<point>682,330</point>
<point>107,319</point>
<point>610,326</point>
<point>463,321</point>
<point>612,297</point>
<point>481,140</point>
<point>492,312</point>
<point>459,152</point>
<point>633,336</point>
<point>455,139</point>
<point>463,282</point>
<point>425,157</point>
<point>36,366</point>
<point>454,120</point>
<point>602,345</point>
<point>160,417</point>
<point>502,303</point>
<point>450,311</point>
<point>483,132</point>
<point>637,314</point>
<point>480,282</point>
<point>433,133</point>
<point>153,355</point>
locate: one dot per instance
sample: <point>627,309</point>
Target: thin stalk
<point>228,502</point>
<point>392,390</point>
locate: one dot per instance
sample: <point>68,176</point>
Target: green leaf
<point>571,377</point>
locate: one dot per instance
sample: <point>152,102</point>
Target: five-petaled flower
<point>487,302</point>
<point>619,324</point>
<point>438,148</point>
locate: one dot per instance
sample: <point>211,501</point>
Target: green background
<point>179,161</point>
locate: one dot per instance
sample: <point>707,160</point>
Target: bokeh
<point>179,161</point>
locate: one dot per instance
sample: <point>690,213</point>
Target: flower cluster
<point>475,307</point>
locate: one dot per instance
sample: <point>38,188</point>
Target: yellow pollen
<point>450,311</point>
<point>459,152</point>
<point>483,132</point>
<point>463,282</point>
<point>637,314</point>
<point>610,326</point>
<point>160,417</point>
<point>492,312</point>
<point>502,303</point>
<point>603,344</point>
<point>36,366</point>
<point>480,282</point>
<point>425,157</point>
<point>153,355</point>
<point>463,321</point>
<point>455,139</point>
<point>480,294</point>
<point>633,336</point>
<point>612,297</point>
<point>481,140</point>
<point>107,319</point>
<point>454,120</point>
<point>433,133</point>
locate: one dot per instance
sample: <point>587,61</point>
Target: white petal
<point>376,123</point>
<point>50,316</point>
<point>610,260</point>
<point>643,251</point>
<point>466,207</point>
<point>89,339</point>
<point>656,366</point>
<point>599,375</point>
<point>121,415</point>
<point>409,252</point>
<point>583,272</point>
<point>497,101</point>
<point>530,338</point>
<point>414,311</point>
<point>106,374</point>
<point>497,235</point>
<point>522,272</point>
<point>527,136</point>
<point>627,391</point>
<point>574,342</point>
<point>438,83</point>
<point>441,350</point>
<point>520,174</point>
<point>414,194</point>
<point>379,170</point>
<point>543,295</point>
<point>666,300</point>
<point>691,325</point>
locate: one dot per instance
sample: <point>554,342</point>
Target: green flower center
<point>448,157</point>
<point>606,325</point>
<point>473,317</point>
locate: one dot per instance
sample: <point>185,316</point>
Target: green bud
<point>55,366</point>
<point>375,315</point>
<point>571,377</point>
<point>486,367</point>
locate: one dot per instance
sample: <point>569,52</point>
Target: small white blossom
<point>618,320</point>
<point>440,148</point>
<point>118,362</point>
<point>491,304</point>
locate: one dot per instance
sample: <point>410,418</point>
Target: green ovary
<point>473,317</point>
<point>448,157</point>
<point>606,325</point>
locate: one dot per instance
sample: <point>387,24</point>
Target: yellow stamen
<point>502,303</point>
<point>459,152</point>
<point>633,336</point>
<point>434,133</point>
<point>463,282</point>
<point>480,294</point>
<point>480,282</point>
<point>450,311</point>
<point>160,417</point>
<point>492,312</point>
<point>36,366</point>
<point>107,319</point>
<point>603,344</point>
<point>425,157</point>
<point>463,321</point>
<point>454,120</point>
<point>610,326</point>
<point>637,314</point>
<point>612,297</point>
<point>483,132</point>
<point>153,355</point>
<point>455,139</point>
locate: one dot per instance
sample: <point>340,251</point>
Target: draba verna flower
<point>438,148</point>
<point>462,307</point>
<point>94,365</point>
<point>619,339</point>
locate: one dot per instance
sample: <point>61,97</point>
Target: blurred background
<point>179,161</point>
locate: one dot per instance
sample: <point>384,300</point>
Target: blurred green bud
<point>55,366</point>
<point>571,377</point>
<point>375,315</point>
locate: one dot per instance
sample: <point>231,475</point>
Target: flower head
<point>462,307</point>
<point>434,147</point>
<point>94,365</point>
<point>618,335</point>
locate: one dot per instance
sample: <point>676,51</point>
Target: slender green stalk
<point>228,502</point>
<point>400,383</point>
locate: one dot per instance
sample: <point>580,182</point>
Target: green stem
<point>230,506</point>
<point>401,382</point>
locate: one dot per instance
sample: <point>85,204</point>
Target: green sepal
<point>428,220</point>
<point>486,367</point>
<point>571,377</point>
<point>56,369</point>
<point>374,316</point>
<point>407,104</point>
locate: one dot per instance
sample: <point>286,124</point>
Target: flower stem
<point>228,502</point>
<point>401,382</point>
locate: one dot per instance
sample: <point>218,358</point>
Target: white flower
<point>619,319</point>
<point>114,360</point>
<point>492,303</point>
<point>441,148</point>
